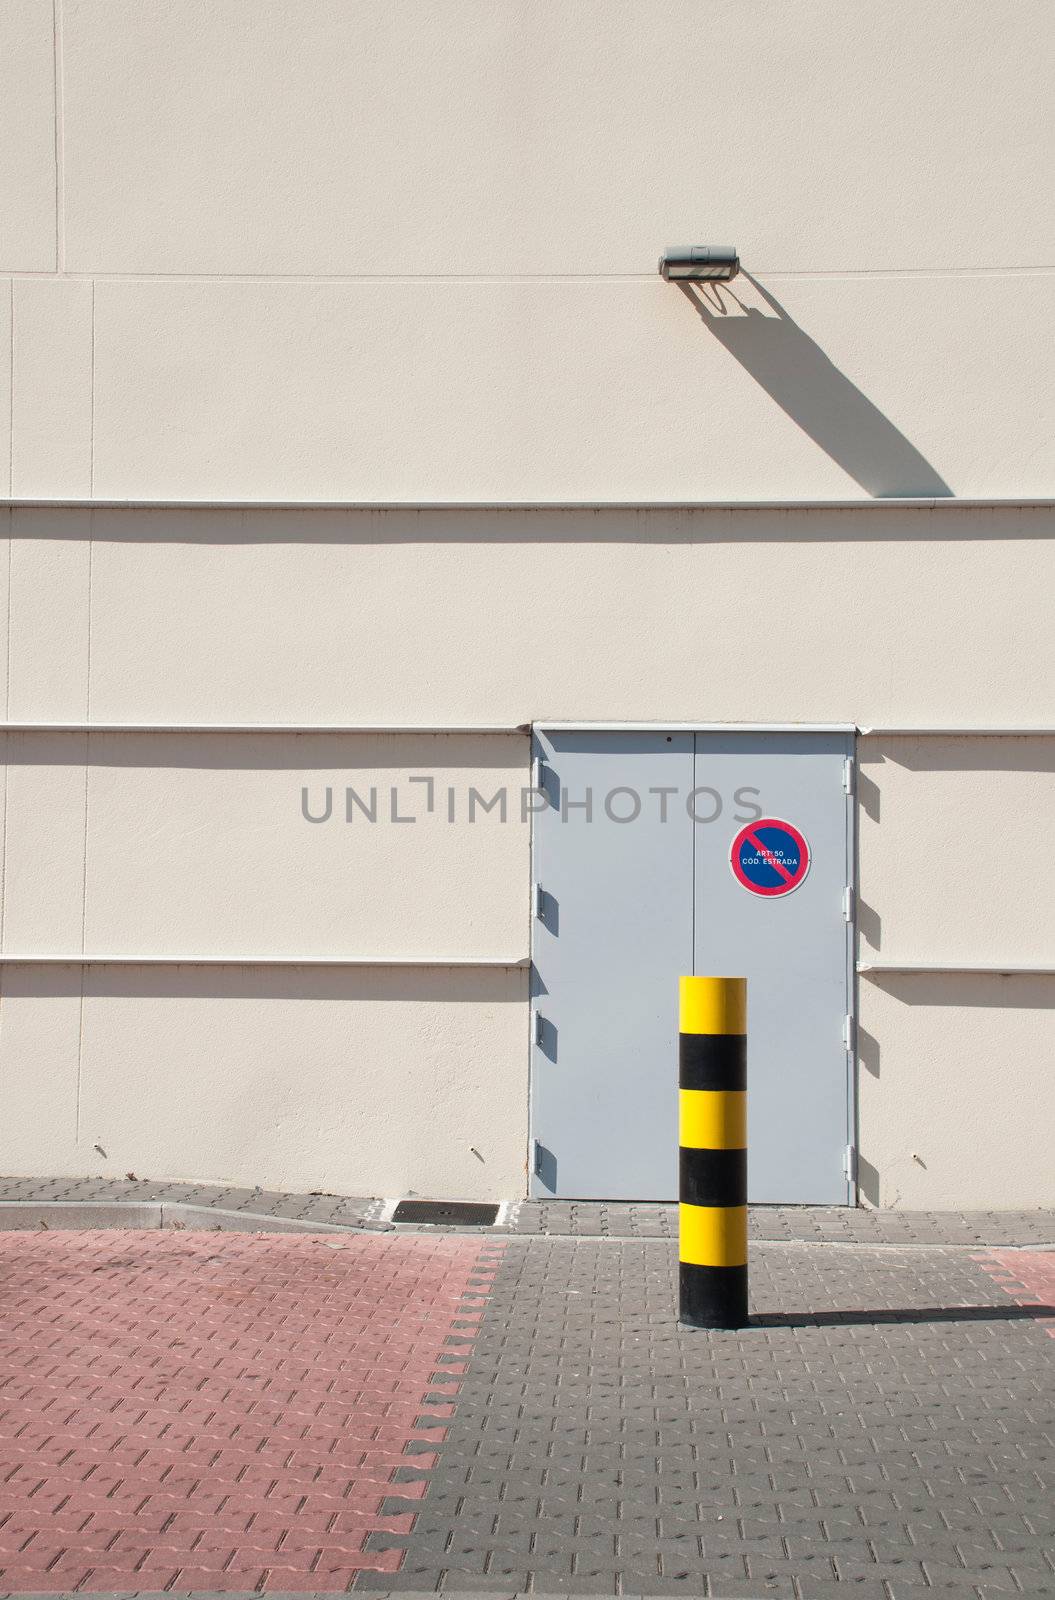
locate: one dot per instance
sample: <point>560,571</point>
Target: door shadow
<point>795,372</point>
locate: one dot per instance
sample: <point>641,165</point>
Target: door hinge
<point>540,902</point>
<point>848,903</point>
<point>848,1032</point>
<point>848,775</point>
<point>850,1164</point>
<point>540,1027</point>
<point>537,1157</point>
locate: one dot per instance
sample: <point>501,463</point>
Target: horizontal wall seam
<point>84,959</point>
<point>694,727</point>
<point>1010,969</point>
<point>526,727</point>
<point>815,274</point>
<point>261,727</point>
<point>906,503</point>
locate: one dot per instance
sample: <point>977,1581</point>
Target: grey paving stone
<point>885,1425</point>
<point>598,1447</point>
<point>577,1219</point>
<point>750,1588</point>
<point>481,1582</point>
<point>402,1583</point>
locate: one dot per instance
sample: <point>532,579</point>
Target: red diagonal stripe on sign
<point>770,858</point>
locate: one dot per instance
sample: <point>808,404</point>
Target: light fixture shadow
<point>795,372</point>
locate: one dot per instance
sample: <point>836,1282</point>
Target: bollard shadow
<point>795,372</point>
<point>906,1316</point>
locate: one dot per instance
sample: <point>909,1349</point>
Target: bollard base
<point>712,1297</point>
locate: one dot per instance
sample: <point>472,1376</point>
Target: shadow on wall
<point>992,991</point>
<point>989,991</point>
<point>188,981</point>
<point>230,530</point>
<point>1034,753</point>
<point>339,756</point>
<point>868,1181</point>
<point>796,373</point>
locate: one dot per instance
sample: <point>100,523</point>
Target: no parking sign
<point>770,857</point>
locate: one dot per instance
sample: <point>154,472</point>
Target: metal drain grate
<point>452,1212</point>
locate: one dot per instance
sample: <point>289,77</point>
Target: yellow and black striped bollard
<point>712,1116</point>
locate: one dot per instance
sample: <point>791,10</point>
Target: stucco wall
<point>953,849</point>
<point>262,250</point>
<point>878,615</point>
<point>956,1099</point>
<point>956,1095</point>
<point>191,844</point>
<point>394,1077</point>
<point>180,844</point>
<point>377,1081</point>
<point>257,136</point>
<point>265,251</point>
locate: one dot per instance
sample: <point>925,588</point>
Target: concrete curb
<point>33,1203</point>
<point>34,1215</point>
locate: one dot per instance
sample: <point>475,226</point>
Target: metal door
<point>613,928</point>
<point>793,947</point>
<point>631,858</point>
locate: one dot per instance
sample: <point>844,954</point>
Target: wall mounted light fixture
<point>706,261</point>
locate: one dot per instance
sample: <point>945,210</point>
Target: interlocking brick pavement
<point>221,1413</point>
<point>1028,1276</point>
<point>604,1219</point>
<point>883,1427</point>
<point>395,1413</point>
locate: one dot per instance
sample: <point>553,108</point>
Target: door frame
<point>851,731</point>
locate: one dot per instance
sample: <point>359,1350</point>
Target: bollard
<point>712,1116</point>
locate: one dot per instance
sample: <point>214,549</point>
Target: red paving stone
<point>1028,1276</point>
<point>218,1411</point>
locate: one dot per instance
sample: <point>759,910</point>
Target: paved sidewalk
<point>395,1413</point>
<point>548,1218</point>
<point>884,1425</point>
<point>225,1413</point>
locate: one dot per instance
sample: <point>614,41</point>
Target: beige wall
<point>28,198</point>
<point>523,389</point>
<point>163,844</point>
<point>393,1077</point>
<point>378,1081</point>
<point>956,1096</point>
<point>885,615</point>
<point>261,251</point>
<point>257,250</point>
<point>185,845</point>
<point>260,136</point>
<point>516,390</point>
<point>953,848</point>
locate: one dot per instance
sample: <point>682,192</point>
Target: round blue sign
<point>770,857</point>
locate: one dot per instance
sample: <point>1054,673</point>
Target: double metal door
<point>658,854</point>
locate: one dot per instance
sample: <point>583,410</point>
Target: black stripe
<point>713,1297</point>
<point>712,1060</point>
<point>713,1177</point>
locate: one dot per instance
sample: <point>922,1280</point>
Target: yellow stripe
<point>712,1119</point>
<point>713,1005</point>
<point>713,1236</point>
